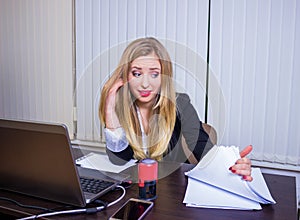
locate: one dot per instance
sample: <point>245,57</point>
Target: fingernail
<point>230,168</point>
<point>244,177</point>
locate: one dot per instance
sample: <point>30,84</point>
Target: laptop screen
<point>36,159</point>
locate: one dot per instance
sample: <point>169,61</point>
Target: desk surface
<point>168,205</point>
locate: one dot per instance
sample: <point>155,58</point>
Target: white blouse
<point>116,140</point>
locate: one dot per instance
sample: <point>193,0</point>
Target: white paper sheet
<point>220,188</point>
<point>199,194</point>
<point>101,162</point>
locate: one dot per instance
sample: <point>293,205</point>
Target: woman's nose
<point>145,81</point>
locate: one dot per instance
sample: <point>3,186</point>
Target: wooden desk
<point>168,205</point>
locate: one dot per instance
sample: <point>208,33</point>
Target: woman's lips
<point>145,93</point>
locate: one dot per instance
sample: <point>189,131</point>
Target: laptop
<point>36,159</point>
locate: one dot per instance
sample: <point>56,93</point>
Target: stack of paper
<point>101,162</point>
<point>212,185</point>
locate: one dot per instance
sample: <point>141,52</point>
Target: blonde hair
<point>163,112</point>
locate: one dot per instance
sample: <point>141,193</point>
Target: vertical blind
<point>253,48</point>
<point>105,27</point>
<point>36,60</point>
<point>254,56</point>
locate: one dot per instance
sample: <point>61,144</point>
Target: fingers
<point>248,178</point>
<point>111,119</point>
<point>242,167</point>
<point>246,151</point>
<point>117,85</point>
<point>111,97</point>
<point>245,172</point>
<point>243,160</point>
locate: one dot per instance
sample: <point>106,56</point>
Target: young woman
<point>143,115</point>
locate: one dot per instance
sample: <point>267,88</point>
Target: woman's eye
<point>155,74</point>
<point>136,73</point>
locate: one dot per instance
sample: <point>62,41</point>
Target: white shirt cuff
<point>116,140</point>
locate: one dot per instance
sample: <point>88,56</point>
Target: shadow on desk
<point>5,216</point>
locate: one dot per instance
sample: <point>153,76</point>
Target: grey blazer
<point>187,125</point>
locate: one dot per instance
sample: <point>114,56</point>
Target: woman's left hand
<point>243,165</point>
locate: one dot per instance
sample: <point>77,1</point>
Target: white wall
<point>36,60</point>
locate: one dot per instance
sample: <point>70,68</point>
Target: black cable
<point>24,206</point>
<point>104,204</point>
<point>83,210</point>
<point>125,184</point>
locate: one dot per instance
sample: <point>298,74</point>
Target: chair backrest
<point>212,134</point>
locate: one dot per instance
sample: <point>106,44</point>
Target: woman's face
<point>145,78</point>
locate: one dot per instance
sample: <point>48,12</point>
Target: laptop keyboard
<point>94,185</point>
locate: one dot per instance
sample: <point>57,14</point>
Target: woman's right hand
<point>112,121</point>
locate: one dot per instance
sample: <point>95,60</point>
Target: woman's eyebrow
<point>140,68</point>
<point>154,68</point>
<point>136,67</point>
